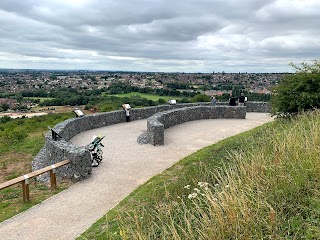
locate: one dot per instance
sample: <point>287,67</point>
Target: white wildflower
<point>192,195</point>
<point>204,185</point>
<point>196,190</point>
<point>187,187</point>
<point>227,186</point>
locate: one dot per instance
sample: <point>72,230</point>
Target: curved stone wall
<point>157,123</point>
<point>80,167</point>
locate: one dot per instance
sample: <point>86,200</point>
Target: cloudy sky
<point>159,35</point>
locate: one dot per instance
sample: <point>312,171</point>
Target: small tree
<point>299,91</point>
<point>5,106</point>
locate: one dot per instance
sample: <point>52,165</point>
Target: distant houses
<point>208,83</point>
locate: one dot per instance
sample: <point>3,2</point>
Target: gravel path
<point>125,166</point>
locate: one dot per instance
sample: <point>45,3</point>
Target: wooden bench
<point>25,179</point>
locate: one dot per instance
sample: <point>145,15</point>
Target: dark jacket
<point>241,99</point>
<point>232,101</point>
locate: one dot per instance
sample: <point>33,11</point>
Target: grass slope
<point>262,184</point>
<point>20,141</point>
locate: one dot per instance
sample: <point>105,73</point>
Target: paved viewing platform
<point>126,165</point>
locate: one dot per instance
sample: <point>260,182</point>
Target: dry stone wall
<point>157,123</point>
<point>80,167</point>
<point>61,149</point>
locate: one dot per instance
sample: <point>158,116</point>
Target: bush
<point>5,119</point>
<point>298,92</point>
<point>201,98</point>
<point>5,106</point>
<point>161,101</point>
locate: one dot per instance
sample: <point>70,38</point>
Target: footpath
<point>126,165</point>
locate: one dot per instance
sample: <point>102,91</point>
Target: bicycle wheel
<point>99,155</point>
<point>95,162</point>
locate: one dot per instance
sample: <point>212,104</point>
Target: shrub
<point>299,91</point>
<point>161,101</point>
<point>5,119</point>
<point>201,98</point>
<point>5,106</point>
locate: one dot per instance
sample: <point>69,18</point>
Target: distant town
<point>18,80</point>
<point>14,82</point>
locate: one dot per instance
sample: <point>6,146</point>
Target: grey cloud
<point>160,33</point>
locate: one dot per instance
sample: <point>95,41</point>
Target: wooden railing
<point>25,179</point>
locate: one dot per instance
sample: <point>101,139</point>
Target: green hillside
<point>20,141</point>
<point>262,184</point>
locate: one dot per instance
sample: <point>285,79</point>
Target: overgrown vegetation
<point>298,92</point>
<point>20,141</point>
<point>262,184</point>
<point>27,134</point>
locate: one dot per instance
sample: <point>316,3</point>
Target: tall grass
<point>266,188</point>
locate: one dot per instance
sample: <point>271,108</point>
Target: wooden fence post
<point>25,189</point>
<point>53,178</point>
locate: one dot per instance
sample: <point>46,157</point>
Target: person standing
<point>213,101</point>
<point>232,101</point>
<point>242,100</point>
<point>127,110</point>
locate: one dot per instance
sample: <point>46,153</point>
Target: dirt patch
<point>20,115</point>
<point>59,109</point>
<point>14,165</point>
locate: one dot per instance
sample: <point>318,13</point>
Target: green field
<point>145,95</point>
<point>42,99</point>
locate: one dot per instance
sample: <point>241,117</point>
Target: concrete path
<point>125,166</point>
